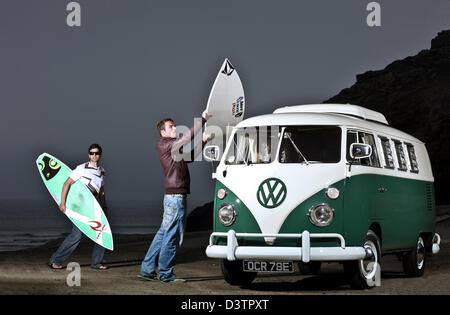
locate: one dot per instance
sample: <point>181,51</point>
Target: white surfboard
<point>226,103</point>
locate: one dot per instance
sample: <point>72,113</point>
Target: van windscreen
<point>254,145</point>
<point>311,144</point>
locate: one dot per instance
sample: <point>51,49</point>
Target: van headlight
<point>226,214</point>
<point>321,214</point>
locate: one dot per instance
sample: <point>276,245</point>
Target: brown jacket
<point>176,172</point>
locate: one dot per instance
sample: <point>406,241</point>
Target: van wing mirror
<point>360,150</point>
<point>211,153</point>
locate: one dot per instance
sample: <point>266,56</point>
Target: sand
<point>26,272</point>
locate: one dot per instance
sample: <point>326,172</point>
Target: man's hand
<point>62,207</point>
<point>207,136</point>
<point>205,115</point>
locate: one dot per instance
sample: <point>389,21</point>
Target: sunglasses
<point>95,153</point>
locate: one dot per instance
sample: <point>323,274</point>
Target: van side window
<point>401,158</point>
<point>388,157</point>
<point>412,158</point>
<point>368,138</point>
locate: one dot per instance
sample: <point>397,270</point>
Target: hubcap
<point>420,253</point>
<point>369,265</point>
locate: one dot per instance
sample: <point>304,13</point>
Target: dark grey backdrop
<point>133,62</point>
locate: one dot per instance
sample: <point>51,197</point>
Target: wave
<point>14,242</point>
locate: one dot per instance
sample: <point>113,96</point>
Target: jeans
<point>70,243</point>
<point>169,237</point>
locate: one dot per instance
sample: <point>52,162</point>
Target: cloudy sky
<point>133,62</point>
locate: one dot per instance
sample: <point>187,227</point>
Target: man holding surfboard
<point>169,237</point>
<point>92,175</point>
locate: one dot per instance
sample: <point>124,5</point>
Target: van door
<point>362,200</point>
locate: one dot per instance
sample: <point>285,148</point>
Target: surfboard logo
<point>49,167</point>
<point>228,68</point>
<point>237,108</point>
<point>97,226</point>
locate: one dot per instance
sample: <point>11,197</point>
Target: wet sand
<point>26,272</point>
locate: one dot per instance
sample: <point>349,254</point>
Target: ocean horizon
<point>32,223</point>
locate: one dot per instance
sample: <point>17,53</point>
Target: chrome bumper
<point>232,251</point>
<point>436,243</point>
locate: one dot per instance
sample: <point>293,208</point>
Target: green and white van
<point>322,183</point>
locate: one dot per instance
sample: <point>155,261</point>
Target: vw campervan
<point>322,183</point>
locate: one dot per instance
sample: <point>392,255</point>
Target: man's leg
<point>67,247</point>
<point>174,213</point>
<point>98,253</point>
<point>148,265</point>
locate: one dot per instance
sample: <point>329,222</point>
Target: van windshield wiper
<point>296,148</point>
<point>241,154</point>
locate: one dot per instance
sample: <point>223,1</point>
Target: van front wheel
<point>234,274</point>
<point>364,273</point>
<point>311,268</point>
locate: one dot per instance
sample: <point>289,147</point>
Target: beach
<point>26,272</point>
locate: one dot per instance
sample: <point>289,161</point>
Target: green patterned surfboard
<point>81,206</point>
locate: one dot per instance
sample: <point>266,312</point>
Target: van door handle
<point>382,189</point>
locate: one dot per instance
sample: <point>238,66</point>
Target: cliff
<point>414,95</point>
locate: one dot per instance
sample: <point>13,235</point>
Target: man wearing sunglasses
<point>169,237</point>
<point>92,175</point>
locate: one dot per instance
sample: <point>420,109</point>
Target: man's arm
<point>199,147</point>
<point>197,127</point>
<point>65,191</point>
<point>102,198</point>
<point>186,138</point>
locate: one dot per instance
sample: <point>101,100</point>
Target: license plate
<point>268,266</point>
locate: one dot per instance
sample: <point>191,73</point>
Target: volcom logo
<point>228,69</point>
<point>271,193</point>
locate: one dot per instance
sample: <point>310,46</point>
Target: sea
<point>27,224</point>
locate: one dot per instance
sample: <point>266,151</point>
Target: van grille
<point>429,193</point>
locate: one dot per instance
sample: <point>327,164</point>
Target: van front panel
<point>291,216</point>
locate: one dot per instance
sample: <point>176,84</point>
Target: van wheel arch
<point>376,228</point>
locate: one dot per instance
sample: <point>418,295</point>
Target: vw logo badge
<point>271,193</point>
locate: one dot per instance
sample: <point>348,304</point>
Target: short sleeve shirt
<point>92,177</point>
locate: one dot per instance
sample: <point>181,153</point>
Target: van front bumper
<point>232,251</point>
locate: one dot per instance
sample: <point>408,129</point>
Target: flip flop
<point>50,265</point>
<point>148,278</point>
<point>101,268</point>
<point>175,280</point>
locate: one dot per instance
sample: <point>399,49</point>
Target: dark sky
<point>134,62</point>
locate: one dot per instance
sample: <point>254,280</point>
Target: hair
<point>95,146</point>
<point>161,124</point>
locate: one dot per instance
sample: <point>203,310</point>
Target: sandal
<point>174,280</point>
<point>148,278</point>
<point>54,266</point>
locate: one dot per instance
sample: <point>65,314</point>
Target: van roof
<point>345,109</point>
<point>294,115</point>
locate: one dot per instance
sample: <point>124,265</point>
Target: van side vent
<point>429,192</point>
